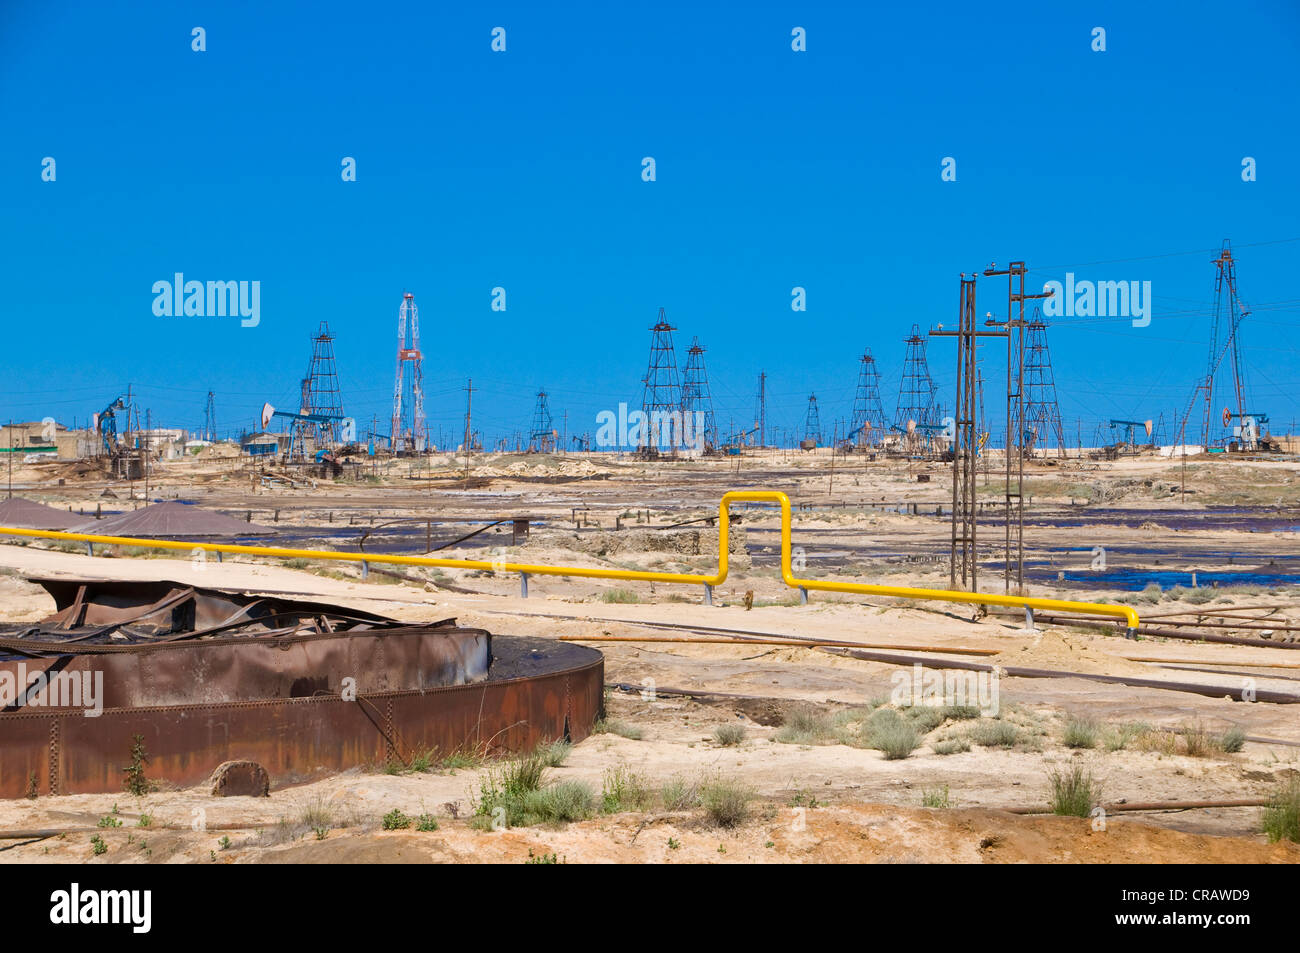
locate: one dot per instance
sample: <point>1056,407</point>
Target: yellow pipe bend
<point>734,496</point>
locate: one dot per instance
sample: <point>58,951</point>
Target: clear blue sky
<point>522,169</point>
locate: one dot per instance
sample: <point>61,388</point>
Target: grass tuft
<point>726,801</point>
<point>679,793</point>
<point>994,734</point>
<point>895,737</point>
<point>925,718</point>
<point>558,803</point>
<point>1232,740</point>
<point>554,754</point>
<point>395,820</point>
<point>623,790</point>
<point>952,746</point>
<point>619,596</point>
<point>1080,732</point>
<point>729,735</point>
<point>1074,792</point>
<point>935,797</point>
<point>1281,819</point>
<point>612,726</point>
<point>805,726</point>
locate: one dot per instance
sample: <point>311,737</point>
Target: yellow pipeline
<point>734,496</point>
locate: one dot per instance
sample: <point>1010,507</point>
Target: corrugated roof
<point>173,520</point>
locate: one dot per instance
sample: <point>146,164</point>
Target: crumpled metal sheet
<point>205,676</point>
<point>100,611</point>
<point>163,643</point>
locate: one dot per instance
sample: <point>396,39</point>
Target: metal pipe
<point>1175,634</point>
<point>1150,806</point>
<point>1127,613</point>
<point>1012,671</point>
<point>771,640</point>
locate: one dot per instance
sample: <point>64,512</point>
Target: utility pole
<point>1015,443</point>
<point>830,482</point>
<point>762,409</point>
<point>469,403</point>
<point>963,556</point>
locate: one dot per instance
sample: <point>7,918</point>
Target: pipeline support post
<point>708,594</point>
<point>717,578</point>
<point>523,585</point>
<point>803,596</point>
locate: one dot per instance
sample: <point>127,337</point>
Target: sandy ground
<point>867,809</point>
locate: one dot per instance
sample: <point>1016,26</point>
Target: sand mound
<point>1051,650</point>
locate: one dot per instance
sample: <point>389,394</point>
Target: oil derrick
<point>541,438</point>
<point>868,423</point>
<point>812,426</point>
<point>321,391</point>
<point>1158,435</point>
<point>917,411</point>
<point>209,420</point>
<point>409,433</point>
<point>661,397</point>
<point>1042,412</point>
<point>1229,311</point>
<point>698,399</point>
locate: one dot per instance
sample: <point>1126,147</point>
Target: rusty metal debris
<point>206,676</point>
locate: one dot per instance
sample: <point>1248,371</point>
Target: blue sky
<point>522,170</point>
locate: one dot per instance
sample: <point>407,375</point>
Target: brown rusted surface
<point>541,691</point>
<point>116,611</point>
<point>242,669</point>
<point>303,689</point>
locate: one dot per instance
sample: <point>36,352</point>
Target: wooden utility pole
<point>469,433</point>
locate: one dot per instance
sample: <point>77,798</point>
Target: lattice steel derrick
<point>696,395</point>
<point>868,424</point>
<point>661,396</point>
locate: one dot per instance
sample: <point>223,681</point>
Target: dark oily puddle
<point>1135,580</point>
<point>1241,519</point>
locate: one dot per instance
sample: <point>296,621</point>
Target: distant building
<point>39,438</point>
<point>263,444</point>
